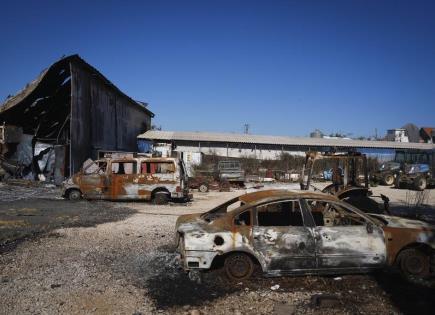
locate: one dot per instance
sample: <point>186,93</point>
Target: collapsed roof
<point>72,105</point>
<point>42,108</point>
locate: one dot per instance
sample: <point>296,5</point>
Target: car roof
<point>278,194</point>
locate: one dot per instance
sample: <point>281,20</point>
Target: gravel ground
<point>126,264</point>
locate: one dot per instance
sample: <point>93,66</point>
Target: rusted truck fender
<point>68,185</point>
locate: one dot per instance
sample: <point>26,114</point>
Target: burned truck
<point>130,177</point>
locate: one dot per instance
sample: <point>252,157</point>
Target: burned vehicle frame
<point>130,178</point>
<point>294,233</point>
<point>353,182</point>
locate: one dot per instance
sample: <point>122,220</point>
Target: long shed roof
<point>198,136</point>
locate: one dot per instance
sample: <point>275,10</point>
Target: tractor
<point>350,181</point>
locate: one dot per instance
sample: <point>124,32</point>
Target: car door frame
<point>123,186</point>
<point>280,261</point>
<point>358,248</point>
<point>93,185</point>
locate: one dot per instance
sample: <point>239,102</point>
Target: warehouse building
<point>233,145</point>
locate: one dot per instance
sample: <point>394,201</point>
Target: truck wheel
<point>420,183</point>
<point>238,266</point>
<point>414,266</point>
<point>388,180</point>
<point>160,198</point>
<point>74,195</point>
<point>203,188</point>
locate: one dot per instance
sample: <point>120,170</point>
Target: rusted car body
<point>300,232</point>
<point>130,178</point>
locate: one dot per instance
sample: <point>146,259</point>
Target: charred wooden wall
<point>101,117</point>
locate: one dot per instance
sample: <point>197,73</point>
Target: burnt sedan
<point>291,233</point>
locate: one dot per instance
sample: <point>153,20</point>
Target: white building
<point>397,135</point>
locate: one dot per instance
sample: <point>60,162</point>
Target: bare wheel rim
<point>414,264</point>
<point>74,195</point>
<point>239,266</point>
<point>203,188</point>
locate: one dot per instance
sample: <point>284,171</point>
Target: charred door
<point>345,239</point>
<point>282,238</point>
<point>123,180</point>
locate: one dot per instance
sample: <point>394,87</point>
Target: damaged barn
<point>70,113</point>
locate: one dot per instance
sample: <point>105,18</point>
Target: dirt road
<point>119,258</point>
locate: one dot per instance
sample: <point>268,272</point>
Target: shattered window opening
<point>157,168</point>
<point>283,213</point>
<point>102,166</point>
<point>243,218</point>
<point>332,214</point>
<point>121,168</point>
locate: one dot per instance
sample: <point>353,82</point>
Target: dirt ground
<point>119,258</point>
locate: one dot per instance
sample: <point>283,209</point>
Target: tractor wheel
<point>388,180</point>
<point>161,198</point>
<point>238,266</point>
<point>203,188</point>
<point>420,183</point>
<point>74,195</point>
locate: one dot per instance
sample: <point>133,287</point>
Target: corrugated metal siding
<point>278,140</point>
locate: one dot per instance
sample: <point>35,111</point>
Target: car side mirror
<point>369,227</point>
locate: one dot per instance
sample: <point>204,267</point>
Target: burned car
<point>129,178</point>
<point>292,233</point>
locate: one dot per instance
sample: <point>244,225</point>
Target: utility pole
<point>246,128</point>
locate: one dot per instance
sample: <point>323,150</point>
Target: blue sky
<point>284,67</point>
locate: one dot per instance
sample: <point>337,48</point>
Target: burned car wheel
<point>203,188</point>
<point>239,266</point>
<point>161,198</point>
<point>74,195</point>
<point>414,265</point>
